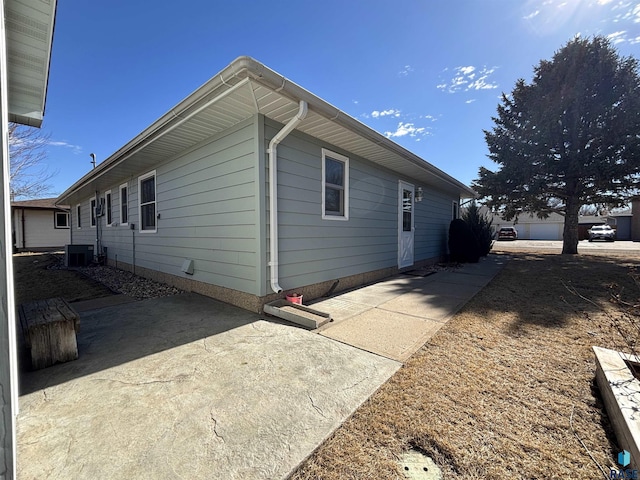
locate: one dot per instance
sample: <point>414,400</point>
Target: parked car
<point>507,233</point>
<point>602,232</point>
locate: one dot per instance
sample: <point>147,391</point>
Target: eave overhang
<point>29,29</point>
<point>238,92</point>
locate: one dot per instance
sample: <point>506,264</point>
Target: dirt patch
<point>40,276</point>
<point>37,277</point>
<point>506,389</point>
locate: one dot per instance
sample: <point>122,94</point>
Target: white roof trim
<point>244,88</point>
<point>29,27</point>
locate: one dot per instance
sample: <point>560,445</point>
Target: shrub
<point>463,244</point>
<point>480,225</point>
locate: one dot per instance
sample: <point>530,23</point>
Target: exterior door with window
<point>405,224</point>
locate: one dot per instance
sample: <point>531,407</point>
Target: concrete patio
<point>188,387</point>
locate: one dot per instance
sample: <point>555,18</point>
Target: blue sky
<point>427,74</point>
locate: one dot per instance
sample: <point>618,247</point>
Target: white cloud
<point>385,113</point>
<point>470,101</point>
<point>469,78</point>
<point>407,129</point>
<point>76,149</point>
<point>405,124</point>
<point>552,16</point>
<point>633,14</point>
<point>617,37</point>
<point>406,70</point>
<point>482,82</point>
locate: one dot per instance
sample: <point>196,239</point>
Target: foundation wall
<point>255,303</point>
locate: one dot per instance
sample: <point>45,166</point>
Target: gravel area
<point>121,281</point>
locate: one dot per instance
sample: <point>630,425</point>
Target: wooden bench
<point>50,328</point>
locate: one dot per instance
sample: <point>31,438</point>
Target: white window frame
<point>55,220</point>
<point>92,211</point>
<point>108,205</point>
<point>142,178</point>
<point>125,204</point>
<point>340,158</point>
<point>79,216</point>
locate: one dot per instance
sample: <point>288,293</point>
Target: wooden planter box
<point>621,395</point>
<point>50,328</point>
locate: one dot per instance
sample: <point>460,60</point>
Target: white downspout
<point>273,192</point>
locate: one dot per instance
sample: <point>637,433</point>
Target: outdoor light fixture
<point>419,194</point>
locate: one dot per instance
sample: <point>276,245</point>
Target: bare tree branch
<point>29,177</point>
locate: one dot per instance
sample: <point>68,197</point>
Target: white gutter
<point>240,69</point>
<point>273,192</point>
<point>279,83</point>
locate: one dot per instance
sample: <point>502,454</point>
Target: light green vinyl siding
<point>207,213</point>
<point>206,199</point>
<point>314,250</point>
<point>87,234</point>
<point>432,218</point>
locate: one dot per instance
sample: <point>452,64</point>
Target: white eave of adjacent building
<point>238,92</point>
<point>29,30</point>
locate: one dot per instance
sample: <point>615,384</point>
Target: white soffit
<point>232,100</point>
<point>244,102</point>
<point>29,26</point>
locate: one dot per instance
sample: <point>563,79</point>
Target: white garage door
<point>545,231</point>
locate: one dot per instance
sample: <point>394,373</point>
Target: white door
<point>405,224</point>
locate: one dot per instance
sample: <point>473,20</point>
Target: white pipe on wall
<point>273,192</point>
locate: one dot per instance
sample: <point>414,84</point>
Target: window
<point>335,186</point>
<point>407,210</point>
<point>61,220</point>
<point>147,194</point>
<point>78,216</point>
<point>124,205</point>
<point>93,212</point>
<point>107,201</point>
<point>455,213</point>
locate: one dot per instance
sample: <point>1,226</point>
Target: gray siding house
<point>252,187</point>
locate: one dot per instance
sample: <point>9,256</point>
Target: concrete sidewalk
<point>394,318</point>
<point>188,387</point>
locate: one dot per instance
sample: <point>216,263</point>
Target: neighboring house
<point>534,228</point>
<point>253,185</point>
<point>552,227</point>
<point>622,222</point>
<point>39,225</point>
<point>25,52</point>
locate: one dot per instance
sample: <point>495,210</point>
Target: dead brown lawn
<point>492,394</point>
<point>505,389</point>
<point>35,280</point>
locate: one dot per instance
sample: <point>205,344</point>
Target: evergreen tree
<point>569,138</point>
<point>480,225</point>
